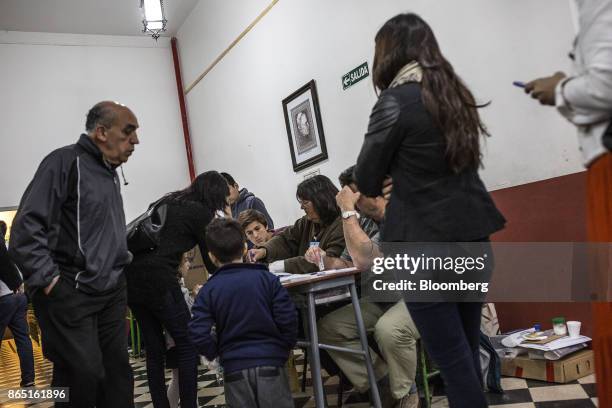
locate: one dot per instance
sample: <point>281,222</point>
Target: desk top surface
<point>322,276</point>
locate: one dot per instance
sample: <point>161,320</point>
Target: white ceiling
<point>109,17</point>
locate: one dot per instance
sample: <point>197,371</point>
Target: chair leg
<point>424,373</point>
<point>132,335</point>
<point>138,339</point>
<point>304,370</point>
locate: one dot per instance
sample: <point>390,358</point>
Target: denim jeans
<point>13,311</point>
<point>173,316</point>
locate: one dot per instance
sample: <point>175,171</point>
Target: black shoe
<point>27,384</point>
<point>384,391</point>
<point>358,398</point>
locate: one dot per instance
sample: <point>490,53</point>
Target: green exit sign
<point>355,75</point>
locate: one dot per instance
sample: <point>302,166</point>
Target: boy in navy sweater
<point>246,317</point>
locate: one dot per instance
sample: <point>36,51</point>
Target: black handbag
<point>143,233</point>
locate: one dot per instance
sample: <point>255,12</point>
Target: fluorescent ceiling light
<point>153,10</point>
<point>153,21</point>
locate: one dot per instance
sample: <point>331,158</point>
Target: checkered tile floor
<point>519,393</point>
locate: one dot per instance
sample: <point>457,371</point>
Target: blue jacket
<point>255,319</point>
<point>246,201</point>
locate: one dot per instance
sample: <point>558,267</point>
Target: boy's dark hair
<point>225,239</point>
<point>248,216</point>
<point>3,228</point>
<point>346,177</point>
<point>230,180</point>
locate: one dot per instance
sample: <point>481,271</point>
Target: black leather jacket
<point>429,202</point>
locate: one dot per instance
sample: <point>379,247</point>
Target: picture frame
<point>304,127</point>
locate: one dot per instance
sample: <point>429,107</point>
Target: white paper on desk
<point>514,339</point>
<point>557,344</point>
<point>291,277</point>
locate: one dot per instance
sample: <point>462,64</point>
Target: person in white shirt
<point>585,99</point>
<point>585,96</point>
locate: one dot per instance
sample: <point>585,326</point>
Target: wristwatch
<point>348,214</point>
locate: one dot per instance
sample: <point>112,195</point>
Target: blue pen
<point>519,84</point>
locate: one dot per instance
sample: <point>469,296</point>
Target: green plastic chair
<point>426,371</point>
<point>134,335</point>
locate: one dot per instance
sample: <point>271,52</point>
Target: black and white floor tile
<point>519,393</point>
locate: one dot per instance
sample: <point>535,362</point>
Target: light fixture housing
<point>154,20</point>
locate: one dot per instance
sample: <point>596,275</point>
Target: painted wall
<point>533,212</point>
<point>236,115</point>
<point>48,82</point>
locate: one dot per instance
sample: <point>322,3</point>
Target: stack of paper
<point>292,277</point>
<point>557,344</point>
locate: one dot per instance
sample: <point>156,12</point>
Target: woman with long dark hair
<point>425,132</point>
<point>154,294</point>
<point>321,223</point>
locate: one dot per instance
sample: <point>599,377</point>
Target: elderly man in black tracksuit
<point>69,240</point>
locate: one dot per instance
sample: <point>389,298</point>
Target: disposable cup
<point>573,328</point>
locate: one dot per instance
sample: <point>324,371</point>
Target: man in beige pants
<point>396,337</point>
<point>391,324</point>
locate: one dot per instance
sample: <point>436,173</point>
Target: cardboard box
<point>567,369</point>
<point>197,274</point>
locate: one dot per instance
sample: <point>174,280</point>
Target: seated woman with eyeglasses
<point>322,226</point>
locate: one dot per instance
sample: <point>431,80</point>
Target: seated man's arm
<point>359,245</point>
<point>357,234</point>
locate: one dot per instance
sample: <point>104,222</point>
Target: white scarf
<point>411,72</point>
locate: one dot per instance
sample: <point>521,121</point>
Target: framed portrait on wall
<point>304,127</point>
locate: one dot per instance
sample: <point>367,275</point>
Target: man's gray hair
<point>102,113</point>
